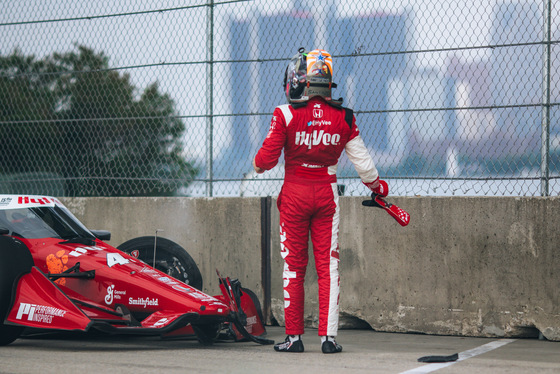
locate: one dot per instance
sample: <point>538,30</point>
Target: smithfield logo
<point>143,302</point>
<point>316,138</point>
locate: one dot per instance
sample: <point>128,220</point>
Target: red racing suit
<point>313,137</point>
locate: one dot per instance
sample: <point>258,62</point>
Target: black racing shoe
<point>331,346</point>
<point>289,345</point>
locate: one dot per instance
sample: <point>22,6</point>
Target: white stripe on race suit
<point>287,273</point>
<point>358,154</point>
<point>332,323</point>
<point>287,113</point>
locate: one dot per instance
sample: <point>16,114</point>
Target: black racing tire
<point>15,260</point>
<point>206,334</point>
<point>171,258</point>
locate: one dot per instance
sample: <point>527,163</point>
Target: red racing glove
<point>378,187</point>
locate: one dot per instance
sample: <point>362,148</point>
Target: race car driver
<point>313,130</point>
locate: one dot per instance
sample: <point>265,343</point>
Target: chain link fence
<point>173,98</point>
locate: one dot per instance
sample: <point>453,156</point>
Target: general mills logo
<point>109,296</point>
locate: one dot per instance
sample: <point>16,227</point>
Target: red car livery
<point>56,274</point>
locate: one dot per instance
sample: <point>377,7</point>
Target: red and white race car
<point>55,274</point>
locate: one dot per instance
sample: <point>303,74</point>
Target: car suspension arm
<point>73,272</point>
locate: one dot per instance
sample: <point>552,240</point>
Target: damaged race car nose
<point>66,278</point>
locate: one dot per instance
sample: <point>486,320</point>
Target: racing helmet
<point>309,74</point>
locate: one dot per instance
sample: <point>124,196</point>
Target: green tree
<point>88,123</point>
<point>26,114</point>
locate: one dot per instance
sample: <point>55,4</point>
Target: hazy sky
<point>179,36</point>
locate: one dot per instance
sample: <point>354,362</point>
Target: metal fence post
<point>545,120</point>
<point>266,218</point>
<point>210,99</point>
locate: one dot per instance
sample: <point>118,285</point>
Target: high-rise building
<point>516,67</point>
<point>365,52</point>
<point>369,46</point>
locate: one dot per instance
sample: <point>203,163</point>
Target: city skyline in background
<point>394,83</point>
<point>401,65</point>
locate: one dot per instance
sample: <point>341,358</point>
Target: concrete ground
<point>365,351</point>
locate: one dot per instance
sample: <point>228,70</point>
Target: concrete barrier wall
<point>480,266</point>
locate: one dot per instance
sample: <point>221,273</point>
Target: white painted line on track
<point>428,368</point>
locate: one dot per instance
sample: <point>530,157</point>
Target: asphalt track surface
<point>364,351</point>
